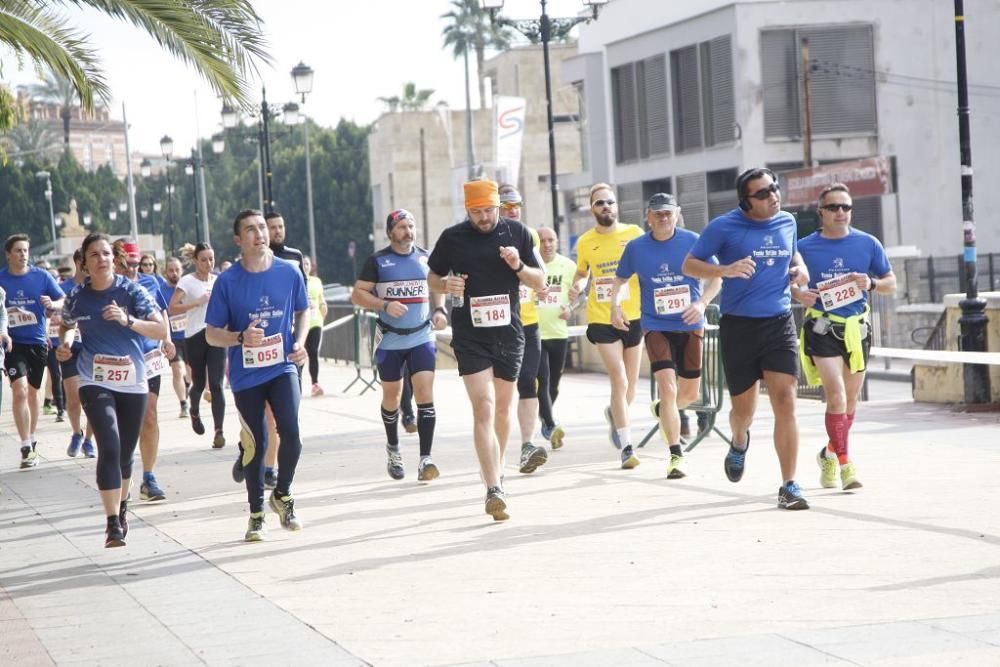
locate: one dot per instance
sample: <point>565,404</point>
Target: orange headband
<point>480,194</point>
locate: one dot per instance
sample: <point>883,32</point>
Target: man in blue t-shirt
<point>31,294</point>
<point>757,250</point>
<point>255,306</point>
<point>845,265</point>
<point>672,308</point>
<point>393,282</point>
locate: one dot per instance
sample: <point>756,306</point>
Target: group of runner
<point>509,294</point>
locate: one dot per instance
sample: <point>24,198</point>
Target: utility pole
<point>807,132</point>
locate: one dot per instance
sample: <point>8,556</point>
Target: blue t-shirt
<point>152,285</point>
<point>401,278</point>
<point>770,243</point>
<point>24,294</point>
<point>273,296</point>
<point>658,264</point>
<point>84,307</point>
<point>67,286</point>
<point>857,252</point>
<point>168,294</point>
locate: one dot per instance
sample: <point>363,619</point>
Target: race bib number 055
<point>839,291</point>
<point>270,352</point>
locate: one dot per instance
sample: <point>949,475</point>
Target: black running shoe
<point>114,536</point>
<point>270,478</point>
<point>736,461</point>
<point>196,424</point>
<point>123,518</point>
<point>394,463</point>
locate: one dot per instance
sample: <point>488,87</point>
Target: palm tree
<point>32,138</point>
<point>56,90</point>
<point>221,39</point>
<point>470,28</point>
<point>391,103</point>
<point>411,99</point>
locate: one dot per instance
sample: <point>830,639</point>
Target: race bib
<point>20,318</point>
<point>178,323</point>
<point>524,294</point>
<point>552,298</point>
<point>413,291</point>
<point>114,371</point>
<point>490,311</point>
<point>53,329</point>
<point>603,287</point>
<point>671,300</point>
<point>839,291</point>
<point>270,352</point>
<point>156,361</point>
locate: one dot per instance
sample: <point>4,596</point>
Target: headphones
<point>746,177</point>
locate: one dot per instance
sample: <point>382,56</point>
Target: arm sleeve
<point>369,272</point>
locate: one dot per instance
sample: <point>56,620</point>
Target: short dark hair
<point>243,215</point>
<point>94,237</point>
<point>272,215</point>
<point>833,187</point>
<point>14,238</point>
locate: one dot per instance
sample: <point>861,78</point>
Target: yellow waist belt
<point>852,341</point>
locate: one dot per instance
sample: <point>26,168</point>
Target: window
<point>841,81</point>
<point>691,195</point>
<point>702,94</point>
<point>631,206</point>
<point>639,102</point>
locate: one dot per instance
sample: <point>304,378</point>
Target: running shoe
<point>270,478</point>
<point>556,438</point>
<point>150,490</point>
<point>88,449</point>
<point>285,507</point>
<point>427,471</point>
<point>532,458</point>
<point>60,416</point>
<point>207,396</point>
<point>612,431</point>
<point>685,425</point>
<point>702,421</point>
<point>123,518</point>
<point>827,462</point>
<point>247,450</point>
<point>546,431</point>
<point>220,440</point>
<point>29,459</point>
<point>496,503</point>
<point>654,407</point>
<point>409,423</point>
<point>317,390</point>
<point>736,461</point>
<point>394,463</point>
<point>184,410</point>
<point>849,477</point>
<point>196,424</point>
<point>674,467</point>
<point>629,459</point>
<point>75,441</point>
<point>790,497</point>
<point>255,528</point>
<point>114,536</point>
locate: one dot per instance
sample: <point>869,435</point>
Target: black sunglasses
<point>601,203</point>
<point>764,193</point>
<point>837,207</point>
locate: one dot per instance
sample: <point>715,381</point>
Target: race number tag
<point>603,287</point>
<point>524,294</point>
<point>490,311</point>
<point>839,291</point>
<point>178,323</point>
<point>672,300</point>
<point>156,361</point>
<point>53,330</point>
<point>114,371</point>
<point>20,318</point>
<point>552,297</point>
<point>270,352</point>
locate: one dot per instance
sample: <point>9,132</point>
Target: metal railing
<point>928,279</point>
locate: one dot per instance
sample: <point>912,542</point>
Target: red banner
<point>866,177</point>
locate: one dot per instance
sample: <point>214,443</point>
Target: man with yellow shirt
<point>532,457</point>
<point>598,252</point>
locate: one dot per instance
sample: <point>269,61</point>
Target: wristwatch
<point>520,268</point>
<point>239,338</point>
<point>441,310</point>
<point>871,282</point>
<point>129,321</point>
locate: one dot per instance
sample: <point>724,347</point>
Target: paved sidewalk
<point>597,566</point>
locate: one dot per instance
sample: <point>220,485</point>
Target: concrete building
<point>692,93</point>
<point>417,160</point>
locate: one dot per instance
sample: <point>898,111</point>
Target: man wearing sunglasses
<point>598,252</point>
<point>758,256</point>
<point>846,265</point>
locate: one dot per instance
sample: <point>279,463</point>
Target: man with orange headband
<point>482,262</point>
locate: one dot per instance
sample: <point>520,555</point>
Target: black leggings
<point>527,383</point>
<point>201,356</point>
<point>313,339</point>
<point>550,370</point>
<point>55,373</point>
<point>116,418</point>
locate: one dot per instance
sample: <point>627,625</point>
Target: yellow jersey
<point>599,254</point>
<point>529,310</point>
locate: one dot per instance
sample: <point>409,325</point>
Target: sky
<point>358,50</point>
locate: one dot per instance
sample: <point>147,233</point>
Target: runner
<point>393,282</point>
<point>488,258</point>
<point>208,363</point>
<point>117,318</point>
<point>71,375</point>
<point>251,313</point>
<point>846,264</point>
<point>317,316</point>
<point>172,272</point>
<point>30,293</point>
<point>597,255</point>
<point>5,342</point>
<point>673,314</point>
<point>758,257</point>
<point>554,312</point>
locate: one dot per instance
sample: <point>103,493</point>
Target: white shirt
<point>194,288</point>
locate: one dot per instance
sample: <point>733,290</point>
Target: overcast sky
<point>360,50</point>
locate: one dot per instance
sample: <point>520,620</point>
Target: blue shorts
<point>416,359</point>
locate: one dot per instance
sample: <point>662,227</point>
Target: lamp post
<point>167,148</point>
<point>191,169</point>
<point>302,76</point>
<point>544,29</point>
<point>230,118</point>
<point>48,197</point>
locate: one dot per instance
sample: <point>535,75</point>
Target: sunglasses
<point>601,203</point>
<point>846,208</point>
<point>509,206</point>
<point>764,193</point>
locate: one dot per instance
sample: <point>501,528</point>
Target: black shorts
<point>605,333</point>
<point>752,345</point>
<point>527,376</point>
<point>503,356</point>
<point>27,361</point>
<point>831,344</point>
<point>679,350</point>
<point>154,384</point>
<point>179,353</point>
<point>69,369</point>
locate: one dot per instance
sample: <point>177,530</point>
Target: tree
<point>55,89</point>
<point>411,100</point>
<point>470,29</point>
<point>32,138</point>
<point>221,39</point>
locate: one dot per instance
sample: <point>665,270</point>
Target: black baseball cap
<point>661,201</point>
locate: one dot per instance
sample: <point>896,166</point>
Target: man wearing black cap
<point>673,313</point>
<point>393,282</point>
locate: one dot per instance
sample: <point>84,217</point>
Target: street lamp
<point>87,219</point>
<point>122,207</point>
<point>167,148</point>
<point>230,118</point>
<point>48,196</point>
<point>218,144</point>
<point>302,76</point>
<point>145,168</point>
<point>543,29</point>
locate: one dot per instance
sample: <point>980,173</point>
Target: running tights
<point>208,363</point>
<point>116,418</point>
<point>55,372</point>
<point>313,339</point>
<point>550,370</point>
